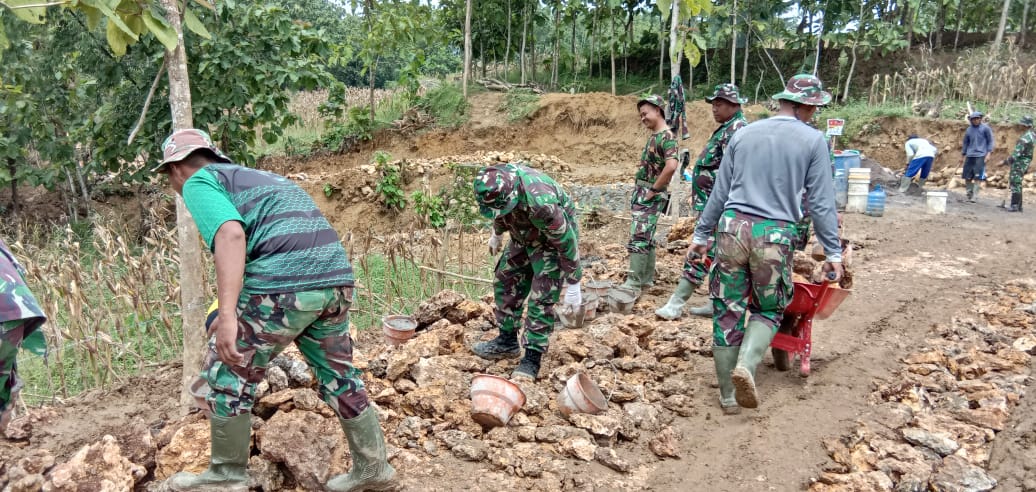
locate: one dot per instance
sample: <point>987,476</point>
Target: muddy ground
<point>913,273</point>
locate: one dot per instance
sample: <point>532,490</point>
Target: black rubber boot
<point>529,367</point>
<point>1016,203</point>
<point>504,346</point>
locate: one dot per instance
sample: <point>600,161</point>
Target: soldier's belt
<point>648,184</point>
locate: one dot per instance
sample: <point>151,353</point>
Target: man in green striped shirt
<point>282,265</point>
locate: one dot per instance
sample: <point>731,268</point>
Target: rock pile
<point>949,177</point>
<point>942,410</point>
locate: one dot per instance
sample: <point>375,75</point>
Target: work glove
<point>573,295</point>
<point>495,244</point>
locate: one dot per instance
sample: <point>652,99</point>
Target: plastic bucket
<point>494,400</point>
<point>599,287</point>
<point>397,329</point>
<point>571,318</point>
<point>844,160</point>
<point>935,202</point>
<point>857,202</point>
<point>581,395</point>
<point>590,303</point>
<point>621,300</point>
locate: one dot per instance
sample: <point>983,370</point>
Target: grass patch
<point>446,104</point>
<point>519,104</point>
<point>861,118</point>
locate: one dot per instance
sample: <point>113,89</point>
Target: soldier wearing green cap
<point>540,260</point>
<point>752,215</point>
<point>726,110</point>
<point>1019,161</point>
<point>658,162</point>
<point>282,276</point>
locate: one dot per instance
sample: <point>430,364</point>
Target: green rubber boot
<point>920,183</point>
<point>648,272</point>
<point>753,346</point>
<point>371,469</point>
<point>228,464</point>
<point>904,184</point>
<point>635,279</point>
<point>725,359</point>
<point>705,310</point>
<point>673,309</point>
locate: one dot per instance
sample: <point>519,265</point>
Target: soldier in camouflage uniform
<point>726,110</point>
<point>540,260</point>
<point>20,320</point>
<point>1019,162</point>
<point>282,265</point>
<point>753,211</point>
<point>658,162</point>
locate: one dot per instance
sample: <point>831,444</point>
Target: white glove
<point>574,295</point>
<point>495,243</point>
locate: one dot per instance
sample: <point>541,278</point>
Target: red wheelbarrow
<point>795,335</point>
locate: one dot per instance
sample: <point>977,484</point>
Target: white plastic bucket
<point>857,202</point>
<point>859,187</point>
<point>935,202</point>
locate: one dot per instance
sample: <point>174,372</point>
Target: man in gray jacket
<point>978,144</point>
<point>753,210</point>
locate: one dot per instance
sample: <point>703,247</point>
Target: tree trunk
<point>192,284</point>
<point>593,47</point>
<point>532,42</point>
<point>611,45</point>
<point>575,60</point>
<point>507,50</point>
<point>557,47</point>
<point>1003,24</point>
<point>940,25</point>
<point>525,32</point>
<point>910,25</point>
<point>467,48</point>
<point>960,14</point>
<point>661,49</point>
<point>674,45</point>
<point>14,188</point>
<point>733,43</point>
<point>744,62</point>
<point>820,43</point>
<point>1025,24</point>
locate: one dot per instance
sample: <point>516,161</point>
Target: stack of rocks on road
<point>939,414</point>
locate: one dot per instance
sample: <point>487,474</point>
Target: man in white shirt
<point>920,153</point>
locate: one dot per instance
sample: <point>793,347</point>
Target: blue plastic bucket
<point>844,159</point>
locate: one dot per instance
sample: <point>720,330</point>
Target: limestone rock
<point>187,451</point>
<point>644,415</point>
<point>665,444</point>
<point>435,308</point>
<point>434,370</point>
<point>470,450</point>
<point>612,337</point>
<point>551,434</point>
<point>940,442</point>
<point>277,379</point>
<point>859,481</point>
<point>957,475</point>
<point>608,457</point>
<point>579,447</point>
<point>264,474</point>
<point>305,442</point>
<point>452,437</point>
<point>598,425</point>
<point>99,466</point>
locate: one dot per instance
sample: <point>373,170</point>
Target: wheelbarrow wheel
<point>781,358</point>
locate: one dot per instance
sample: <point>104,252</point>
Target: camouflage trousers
<point>751,279</point>
<point>527,272</point>
<point>696,271</point>
<point>701,187</point>
<point>317,321</point>
<point>803,229</point>
<point>11,335</point>
<point>1018,170</point>
<point>645,218</point>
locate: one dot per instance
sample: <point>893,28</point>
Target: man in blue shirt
<point>978,144</point>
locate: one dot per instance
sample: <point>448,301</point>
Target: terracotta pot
<point>581,395</point>
<point>590,303</point>
<point>599,287</point>
<point>397,329</point>
<point>494,400</point>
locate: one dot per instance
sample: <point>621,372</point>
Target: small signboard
<point>835,126</point>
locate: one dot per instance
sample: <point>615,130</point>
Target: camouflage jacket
<point>545,217</point>
<point>18,304</point>
<point>712,154</point>
<point>1023,150</point>
<point>660,147</point>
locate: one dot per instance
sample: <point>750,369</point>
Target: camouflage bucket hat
<point>495,190</point>
<point>182,143</point>
<point>727,92</point>
<point>1026,120</point>
<point>805,89</point>
<point>653,100</point>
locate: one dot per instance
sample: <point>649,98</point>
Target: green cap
<point>728,92</point>
<point>805,89</point>
<point>653,100</point>
<point>496,190</point>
